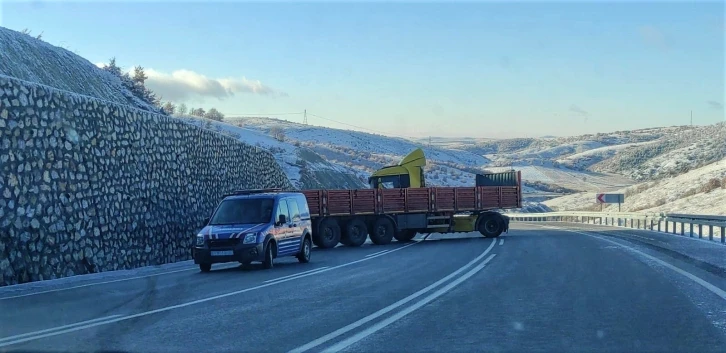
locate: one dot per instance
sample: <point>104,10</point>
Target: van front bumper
<point>241,253</point>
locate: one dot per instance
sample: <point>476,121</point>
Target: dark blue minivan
<point>255,225</point>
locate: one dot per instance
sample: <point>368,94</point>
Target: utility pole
<point>691,117</point>
<point>305,117</point>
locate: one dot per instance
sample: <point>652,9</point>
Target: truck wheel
<point>355,233</point>
<point>268,262</point>
<point>205,267</point>
<point>404,235</point>
<point>490,226</point>
<point>307,247</point>
<point>382,232</point>
<point>328,235</point>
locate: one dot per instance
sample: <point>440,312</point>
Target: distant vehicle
<point>399,205</point>
<point>255,225</point>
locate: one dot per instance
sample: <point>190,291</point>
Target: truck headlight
<point>250,238</point>
<point>200,239</point>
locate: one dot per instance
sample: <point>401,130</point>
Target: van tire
<point>268,262</point>
<point>305,250</point>
<point>205,267</point>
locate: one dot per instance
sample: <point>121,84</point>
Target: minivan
<point>255,225</point>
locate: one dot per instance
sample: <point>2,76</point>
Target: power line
<point>262,114</point>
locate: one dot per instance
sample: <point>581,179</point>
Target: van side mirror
<point>282,220</point>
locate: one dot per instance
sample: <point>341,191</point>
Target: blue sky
<point>478,69</point>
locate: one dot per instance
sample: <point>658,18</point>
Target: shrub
<point>711,185</point>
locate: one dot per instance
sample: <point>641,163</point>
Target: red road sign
<point>599,198</point>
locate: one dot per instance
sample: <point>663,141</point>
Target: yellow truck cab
<point>408,173</point>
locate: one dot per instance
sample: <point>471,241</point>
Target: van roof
<point>255,194</point>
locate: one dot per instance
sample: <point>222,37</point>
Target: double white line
<point>341,345</point>
<point>6,341</point>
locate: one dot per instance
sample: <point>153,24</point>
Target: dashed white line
<point>397,304</point>
<point>58,331</point>
<point>501,241</point>
<point>377,253</point>
<point>297,274</point>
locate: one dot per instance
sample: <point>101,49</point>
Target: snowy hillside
<point>700,191</point>
<point>27,58</point>
<point>304,168</point>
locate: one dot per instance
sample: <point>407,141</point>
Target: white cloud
<point>184,85</point>
<point>187,85</point>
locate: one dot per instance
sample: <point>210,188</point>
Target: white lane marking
<point>56,328</point>
<point>715,290</point>
<point>501,241</point>
<point>296,274</point>
<point>353,326</point>
<point>105,282</point>
<point>199,301</point>
<point>378,253</point>
<point>393,318</point>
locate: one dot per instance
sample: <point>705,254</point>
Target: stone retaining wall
<point>88,185</point>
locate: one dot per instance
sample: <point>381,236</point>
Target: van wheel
<point>268,262</point>
<point>382,232</point>
<point>491,226</point>
<point>205,267</point>
<point>356,233</point>
<point>307,247</point>
<point>328,235</point>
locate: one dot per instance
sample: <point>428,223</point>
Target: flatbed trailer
<point>350,216</point>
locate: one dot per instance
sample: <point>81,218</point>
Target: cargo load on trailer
<point>399,205</point>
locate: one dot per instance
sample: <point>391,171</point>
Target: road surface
<point>542,287</point>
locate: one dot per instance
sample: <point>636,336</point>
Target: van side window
<point>282,209</point>
<point>294,210</point>
<point>302,202</point>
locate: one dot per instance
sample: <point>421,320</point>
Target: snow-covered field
<point>680,194</point>
<point>287,155</point>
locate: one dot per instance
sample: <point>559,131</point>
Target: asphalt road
<point>554,287</point>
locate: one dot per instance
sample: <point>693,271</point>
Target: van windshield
<point>243,211</point>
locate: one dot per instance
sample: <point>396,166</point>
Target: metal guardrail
<point>672,223</point>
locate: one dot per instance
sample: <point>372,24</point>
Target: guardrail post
<point>691,226</point>
<point>700,231</point>
<point>659,225</point>
<point>683,225</point>
<point>710,232</point>
<point>723,235</point>
<point>666,229</point>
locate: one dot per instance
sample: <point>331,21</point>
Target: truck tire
<point>490,225</point>
<point>382,232</point>
<point>328,234</point>
<point>405,235</point>
<point>355,233</point>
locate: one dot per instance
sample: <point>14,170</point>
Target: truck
<point>399,205</point>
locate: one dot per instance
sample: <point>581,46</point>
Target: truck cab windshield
<point>243,211</point>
